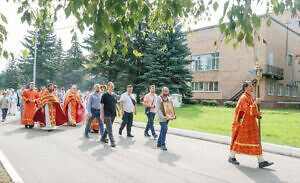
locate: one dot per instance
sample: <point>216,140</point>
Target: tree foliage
<point>112,20</point>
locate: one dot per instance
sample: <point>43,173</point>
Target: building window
<point>209,86</point>
<point>290,60</point>
<point>279,89</point>
<point>295,91</point>
<point>206,62</point>
<point>287,90</point>
<point>271,87</point>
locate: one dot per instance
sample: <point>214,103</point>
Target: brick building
<point>218,72</point>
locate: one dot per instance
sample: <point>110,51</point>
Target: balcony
<point>273,72</point>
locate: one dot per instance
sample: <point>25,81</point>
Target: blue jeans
<point>95,114</point>
<point>21,110</point>
<point>4,113</point>
<point>150,124</point>
<point>163,133</point>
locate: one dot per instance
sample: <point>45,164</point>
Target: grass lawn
<point>278,126</point>
<point>4,178</point>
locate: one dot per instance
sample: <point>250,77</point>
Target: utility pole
<point>34,61</point>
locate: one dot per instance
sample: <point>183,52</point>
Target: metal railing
<point>273,71</point>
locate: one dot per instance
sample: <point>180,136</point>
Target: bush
<point>230,104</point>
<point>189,101</point>
<point>209,103</point>
<point>213,103</point>
<point>204,102</point>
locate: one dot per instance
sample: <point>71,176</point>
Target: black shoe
<point>146,135</point>
<point>233,161</point>
<point>155,136</point>
<point>113,145</point>
<point>158,145</point>
<point>30,126</point>
<point>73,125</point>
<point>120,132</point>
<point>130,136</point>
<point>26,126</point>
<point>164,148</point>
<point>104,140</point>
<point>86,135</point>
<point>3,120</point>
<point>264,164</point>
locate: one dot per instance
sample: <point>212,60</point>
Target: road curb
<point>267,147</point>
<point>10,169</point>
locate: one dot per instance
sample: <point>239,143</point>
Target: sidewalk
<point>267,147</point>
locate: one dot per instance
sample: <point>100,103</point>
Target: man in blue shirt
<point>94,105</point>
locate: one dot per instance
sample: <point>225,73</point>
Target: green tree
<point>46,62</point>
<point>97,16</point>
<point>11,76</point>
<point>105,67</point>
<point>166,62</point>
<point>73,70</point>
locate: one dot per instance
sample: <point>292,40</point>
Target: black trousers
<point>127,121</point>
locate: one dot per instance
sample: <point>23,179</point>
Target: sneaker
<point>113,145</point>
<point>158,145</point>
<point>264,164</point>
<point>30,126</point>
<point>164,148</point>
<point>155,136</point>
<point>2,120</point>
<point>73,125</point>
<point>130,136</point>
<point>86,135</point>
<point>26,126</point>
<point>233,161</point>
<point>146,135</point>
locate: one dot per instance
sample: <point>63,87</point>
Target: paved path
<point>64,156</point>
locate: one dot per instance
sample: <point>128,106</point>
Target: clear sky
<point>17,31</point>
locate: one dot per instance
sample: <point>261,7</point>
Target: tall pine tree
<point>45,60</point>
<point>166,62</point>
<point>11,79</point>
<point>73,68</point>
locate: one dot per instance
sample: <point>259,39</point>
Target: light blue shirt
<point>94,102</point>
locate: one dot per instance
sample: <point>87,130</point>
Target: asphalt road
<point>65,156</point>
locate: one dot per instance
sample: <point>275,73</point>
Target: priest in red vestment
<point>30,98</point>
<point>245,131</point>
<point>73,107</point>
<point>49,112</point>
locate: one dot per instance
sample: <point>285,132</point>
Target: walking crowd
<point>51,107</point>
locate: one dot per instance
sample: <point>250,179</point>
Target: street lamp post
<point>34,61</point>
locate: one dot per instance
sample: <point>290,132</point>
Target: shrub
<point>189,101</point>
<point>230,104</point>
<point>209,103</point>
<point>213,103</point>
<point>204,102</point>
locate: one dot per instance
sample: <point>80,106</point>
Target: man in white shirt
<point>128,106</point>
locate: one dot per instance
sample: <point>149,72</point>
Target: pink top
<point>149,100</point>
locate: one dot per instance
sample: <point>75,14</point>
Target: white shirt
<point>127,102</point>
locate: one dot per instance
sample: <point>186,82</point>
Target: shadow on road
<point>125,142</point>
<point>168,158</point>
<point>101,153</point>
<point>87,144</point>
<point>259,175</point>
<point>33,133</point>
<point>150,143</point>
